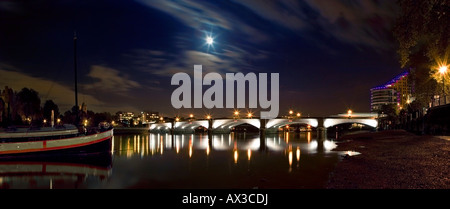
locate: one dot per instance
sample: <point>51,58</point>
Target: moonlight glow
<point>209,40</point>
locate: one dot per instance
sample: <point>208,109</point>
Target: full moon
<point>209,40</point>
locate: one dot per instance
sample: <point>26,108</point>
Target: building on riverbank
<point>396,91</point>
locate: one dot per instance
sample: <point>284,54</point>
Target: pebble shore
<point>393,159</point>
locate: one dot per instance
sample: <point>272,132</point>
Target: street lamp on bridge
<point>236,114</point>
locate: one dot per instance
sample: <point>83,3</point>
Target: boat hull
<point>100,142</point>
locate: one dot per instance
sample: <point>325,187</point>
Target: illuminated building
<point>397,91</point>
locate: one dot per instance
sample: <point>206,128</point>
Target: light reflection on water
<point>236,160</point>
<point>151,144</point>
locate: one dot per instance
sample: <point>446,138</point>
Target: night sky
<point>328,53</point>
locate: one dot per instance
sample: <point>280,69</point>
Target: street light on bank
<point>443,69</point>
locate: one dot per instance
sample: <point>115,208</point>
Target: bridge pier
<point>321,133</point>
<point>321,130</point>
<point>210,127</point>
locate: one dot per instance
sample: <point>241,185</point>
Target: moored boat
<point>66,139</point>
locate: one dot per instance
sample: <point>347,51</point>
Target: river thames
<point>188,161</point>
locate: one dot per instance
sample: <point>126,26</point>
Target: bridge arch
<point>160,127</point>
<point>186,125</point>
<point>329,122</point>
<point>230,123</point>
<point>279,122</point>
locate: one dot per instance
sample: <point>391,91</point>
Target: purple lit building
<point>397,91</point>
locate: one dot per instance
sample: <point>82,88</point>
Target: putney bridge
<point>225,125</point>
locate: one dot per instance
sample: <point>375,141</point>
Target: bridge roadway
<point>224,125</point>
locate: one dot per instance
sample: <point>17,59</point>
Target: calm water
<point>236,160</point>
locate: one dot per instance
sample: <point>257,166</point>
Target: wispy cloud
<point>110,80</point>
<point>60,94</point>
<point>231,59</point>
<point>285,13</point>
<point>358,23</point>
<point>201,15</point>
<point>364,22</point>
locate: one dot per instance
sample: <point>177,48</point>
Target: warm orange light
<point>249,115</point>
<point>236,113</point>
<point>298,114</point>
<point>443,69</point>
<point>177,119</point>
<point>208,117</point>
<point>291,112</point>
<point>191,115</point>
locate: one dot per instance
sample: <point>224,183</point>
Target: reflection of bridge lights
<point>235,156</point>
<point>249,154</point>
<point>351,153</point>
<point>329,145</point>
<point>298,154</point>
<point>190,147</point>
<point>313,145</point>
<point>287,135</point>
<point>161,146</point>
<point>290,158</point>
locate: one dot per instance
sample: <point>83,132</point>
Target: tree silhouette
<point>29,103</point>
<point>422,27</point>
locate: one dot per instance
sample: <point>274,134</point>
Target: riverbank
<point>393,159</point>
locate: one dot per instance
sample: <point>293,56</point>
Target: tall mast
<point>75,66</point>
